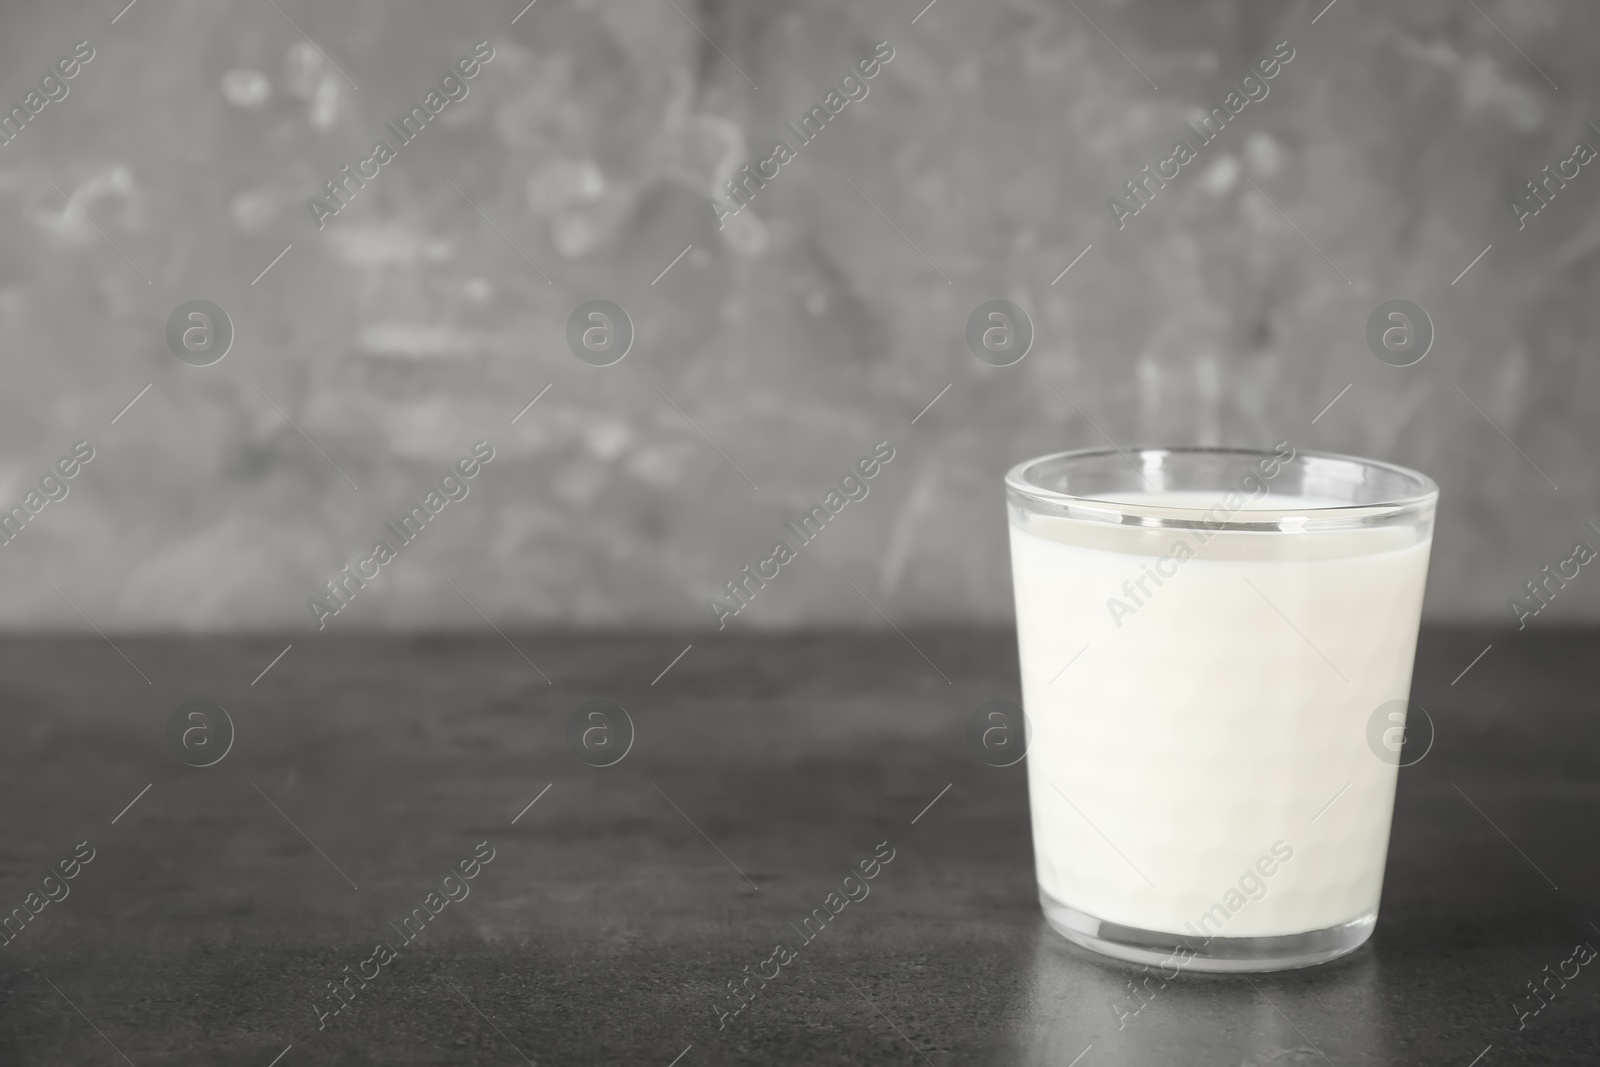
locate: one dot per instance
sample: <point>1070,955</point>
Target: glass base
<point>1235,954</point>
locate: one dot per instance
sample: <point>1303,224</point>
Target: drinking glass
<point>1216,648</point>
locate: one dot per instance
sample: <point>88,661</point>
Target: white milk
<point>1205,729</point>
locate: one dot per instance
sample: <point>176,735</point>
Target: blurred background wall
<point>821,319</point>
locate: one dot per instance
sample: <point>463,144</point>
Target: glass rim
<point>1424,494</point>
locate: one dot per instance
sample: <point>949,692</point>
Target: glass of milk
<point>1210,639</point>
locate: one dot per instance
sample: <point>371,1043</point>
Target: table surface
<point>218,908</point>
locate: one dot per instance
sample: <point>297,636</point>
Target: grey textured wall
<point>820,320</point>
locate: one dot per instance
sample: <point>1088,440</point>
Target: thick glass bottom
<point>1187,952</point>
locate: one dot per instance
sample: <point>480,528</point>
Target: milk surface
<point>1207,721</point>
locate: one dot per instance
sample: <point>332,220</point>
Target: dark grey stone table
<point>218,908</point>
